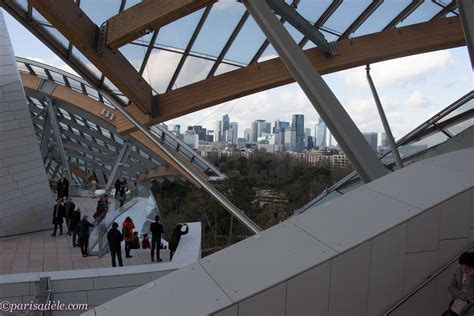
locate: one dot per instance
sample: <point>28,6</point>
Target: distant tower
<point>320,133</point>
<point>372,139</point>
<point>217,131</point>
<point>234,127</point>
<point>297,123</point>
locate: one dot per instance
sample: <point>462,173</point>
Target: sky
<point>411,89</point>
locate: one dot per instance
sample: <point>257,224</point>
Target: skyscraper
<point>320,133</point>
<point>225,126</point>
<point>254,131</point>
<point>280,126</point>
<point>263,128</point>
<point>234,126</point>
<point>307,135</point>
<point>371,139</point>
<point>290,139</point>
<point>217,131</point>
<point>248,135</point>
<point>297,123</point>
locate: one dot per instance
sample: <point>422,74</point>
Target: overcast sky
<point>411,88</point>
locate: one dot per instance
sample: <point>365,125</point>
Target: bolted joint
<point>100,38</point>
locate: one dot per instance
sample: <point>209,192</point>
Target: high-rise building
<point>297,123</point>
<point>234,128</point>
<point>191,139</point>
<point>307,134</point>
<point>384,141</point>
<point>263,128</point>
<point>280,126</point>
<point>247,135</point>
<point>372,139</point>
<point>254,131</point>
<point>225,126</point>
<point>320,133</point>
<point>290,139</point>
<point>217,131</point>
<point>200,131</point>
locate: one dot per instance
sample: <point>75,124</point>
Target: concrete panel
<point>97,297</point>
<point>450,248</point>
<point>230,311</point>
<point>353,227</point>
<point>121,281</point>
<point>458,163</point>
<point>71,285</point>
<point>423,231</point>
<point>455,214</point>
<point>79,297</point>
<point>443,297</point>
<point>418,267</point>
<point>271,302</point>
<point>308,293</point>
<point>14,289</point>
<point>280,253</point>
<point>387,269</point>
<point>192,282</point>
<point>421,303</point>
<point>350,282</point>
<point>433,184</point>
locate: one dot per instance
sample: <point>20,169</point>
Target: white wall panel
<point>450,248</point>
<point>230,311</point>
<point>455,214</point>
<point>350,282</point>
<point>270,302</point>
<point>387,269</point>
<point>423,231</point>
<point>421,303</point>
<point>418,267</point>
<point>308,293</point>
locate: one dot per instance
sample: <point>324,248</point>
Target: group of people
<point>461,287</point>
<point>115,238</point>
<point>65,209</point>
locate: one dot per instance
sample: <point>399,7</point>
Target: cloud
<point>400,71</point>
<point>418,100</point>
<point>56,62</point>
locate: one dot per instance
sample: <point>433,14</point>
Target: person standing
<point>176,237</point>
<point>127,231</point>
<point>69,208</point>
<point>117,185</point>
<point>58,215</point>
<point>156,230</point>
<point>461,286</point>
<point>115,238</point>
<point>66,186</point>
<point>74,221</point>
<point>60,189</point>
<point>83,233</point>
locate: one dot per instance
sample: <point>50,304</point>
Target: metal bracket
<point>155,106</point>
<point>100,39</point>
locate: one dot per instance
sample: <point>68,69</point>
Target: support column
<point>57,135</point>
<point>466,11</point>
<point>117,168</point>
<point>362,157</point>
<point>383,118</point>
<point>45,136</point>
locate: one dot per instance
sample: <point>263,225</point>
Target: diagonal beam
<point>147,16</point>
<point>361,18</point>
<point>117,168</point>
<point>466,10</point>
<point>79,29</point>
<point>359,51</point>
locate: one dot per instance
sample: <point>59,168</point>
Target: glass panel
<point>131,3</point>
<point>38,17</point>
<point>422,144</point>
<point>223,68</point>
<point>58,36</point>
<point>247,42</point>
<point>312,10</point>
<point>269,53</point>
<point>76,53</point>
<point>345,14</point>
<point>57,77</point>
<point>178,33</point>
<point>458,128</point>
<point>22,3</point>
<point>385,13</point>
<point>422,14</point>
<point>219,25</point>
<point>135,53</point>
<point>194,69</point>
<point>91,92</point>
<point>100,11</point>
<point>469,105</point>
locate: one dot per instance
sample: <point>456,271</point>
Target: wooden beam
<point>161,172</point>
<point>81,31</point>
<point>86,177</point>
<point>359,51</point>
<point>147,16</point>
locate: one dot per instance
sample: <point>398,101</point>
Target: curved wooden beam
<point>359,51</point>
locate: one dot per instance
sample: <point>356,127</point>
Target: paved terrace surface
<point>39,251</point>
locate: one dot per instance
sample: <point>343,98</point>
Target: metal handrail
<point>428,280</point>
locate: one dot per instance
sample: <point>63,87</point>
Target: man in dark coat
<point>156,230</point>
<point>69,208</point>
<point>60,189</point>
<point>74,221</point>
<point>176,237</point>
<point>83,233</point>
<point>115,239</point>
<point>58,214</point>
<point>66,186</point>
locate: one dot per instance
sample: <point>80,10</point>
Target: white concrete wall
<point>354,255</point>
<point>26,203</point>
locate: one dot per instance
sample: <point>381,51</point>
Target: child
<point>145,242</point>
<point>136,241</point>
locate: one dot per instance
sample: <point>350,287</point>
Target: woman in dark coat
<point>58,215</point>
<point>74,221</point>
<point>176,237</point>
<point>83,233</point>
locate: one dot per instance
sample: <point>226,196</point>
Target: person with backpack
<point>127,232</point>
<point>114,237</point>
<point>156,230</point>
<point>83,233</point>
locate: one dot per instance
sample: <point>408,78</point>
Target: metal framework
<point>466,9</point>
<point>324,101</point>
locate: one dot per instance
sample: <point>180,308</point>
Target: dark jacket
<point>83,228</point>
<point>75,219</point>
<point>176,237</point>
<point>58,214</point>
<point>70,207</point>
<point>114,238</point>
<point>156,230</point>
